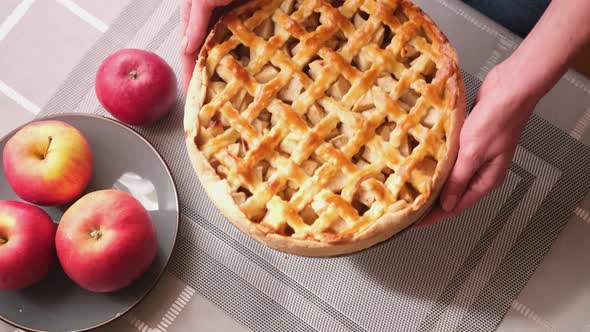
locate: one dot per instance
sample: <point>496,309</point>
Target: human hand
<point>194,20</point>
<point>507,98</point>
<point>487,142</point>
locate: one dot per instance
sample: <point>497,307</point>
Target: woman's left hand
<point>487,143</point>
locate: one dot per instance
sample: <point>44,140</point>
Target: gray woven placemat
<point>462,274</point>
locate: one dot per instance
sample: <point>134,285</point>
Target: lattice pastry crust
<point>323,128</point>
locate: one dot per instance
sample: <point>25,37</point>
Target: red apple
<point>27,250</point>
<point>48,163</point>
<point>136,86</point>
<point>106,240</point>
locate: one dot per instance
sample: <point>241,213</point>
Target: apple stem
<point>48,145</point>
<point>2,240</point>
<point>96,234</point>
<point>133,74</point>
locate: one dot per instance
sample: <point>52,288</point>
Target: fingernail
<point>449,203</point>
<point>184,43</point>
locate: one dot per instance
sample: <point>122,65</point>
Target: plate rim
<point>176,199</point>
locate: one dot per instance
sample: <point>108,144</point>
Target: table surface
<point>63,31</point>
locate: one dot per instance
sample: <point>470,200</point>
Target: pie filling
<point>323,117</point>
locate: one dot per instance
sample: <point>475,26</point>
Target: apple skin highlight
<point>48,163</point>
<point>136,86</point>
<point>27,247</point>
<point>106,240</point>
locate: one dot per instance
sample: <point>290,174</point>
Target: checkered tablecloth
<point>516,261</point>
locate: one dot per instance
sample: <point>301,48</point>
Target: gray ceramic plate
<point>122,160</point>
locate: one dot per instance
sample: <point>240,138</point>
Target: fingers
<point>194,21</point>
<point>490,175</point>
<point>188,64</point>
<point>200,12</point>
<point>487,178</point>
<point>434,216</point>
<point>185,15</point>
<point>470,197</point>
<point>438,214</point>
<point>195,18</point>
<point>188,61</point>
<point>466,166</point>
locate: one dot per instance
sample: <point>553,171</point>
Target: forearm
<point>549,50</point>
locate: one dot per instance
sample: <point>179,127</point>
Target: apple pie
<point>322,127</point>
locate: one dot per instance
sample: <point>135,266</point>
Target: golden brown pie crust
<point>218,132</point>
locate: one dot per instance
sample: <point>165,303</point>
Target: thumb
<point>195,31</point>
<point>468,162</point>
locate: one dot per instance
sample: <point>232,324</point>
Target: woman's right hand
<point>194,20</point>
